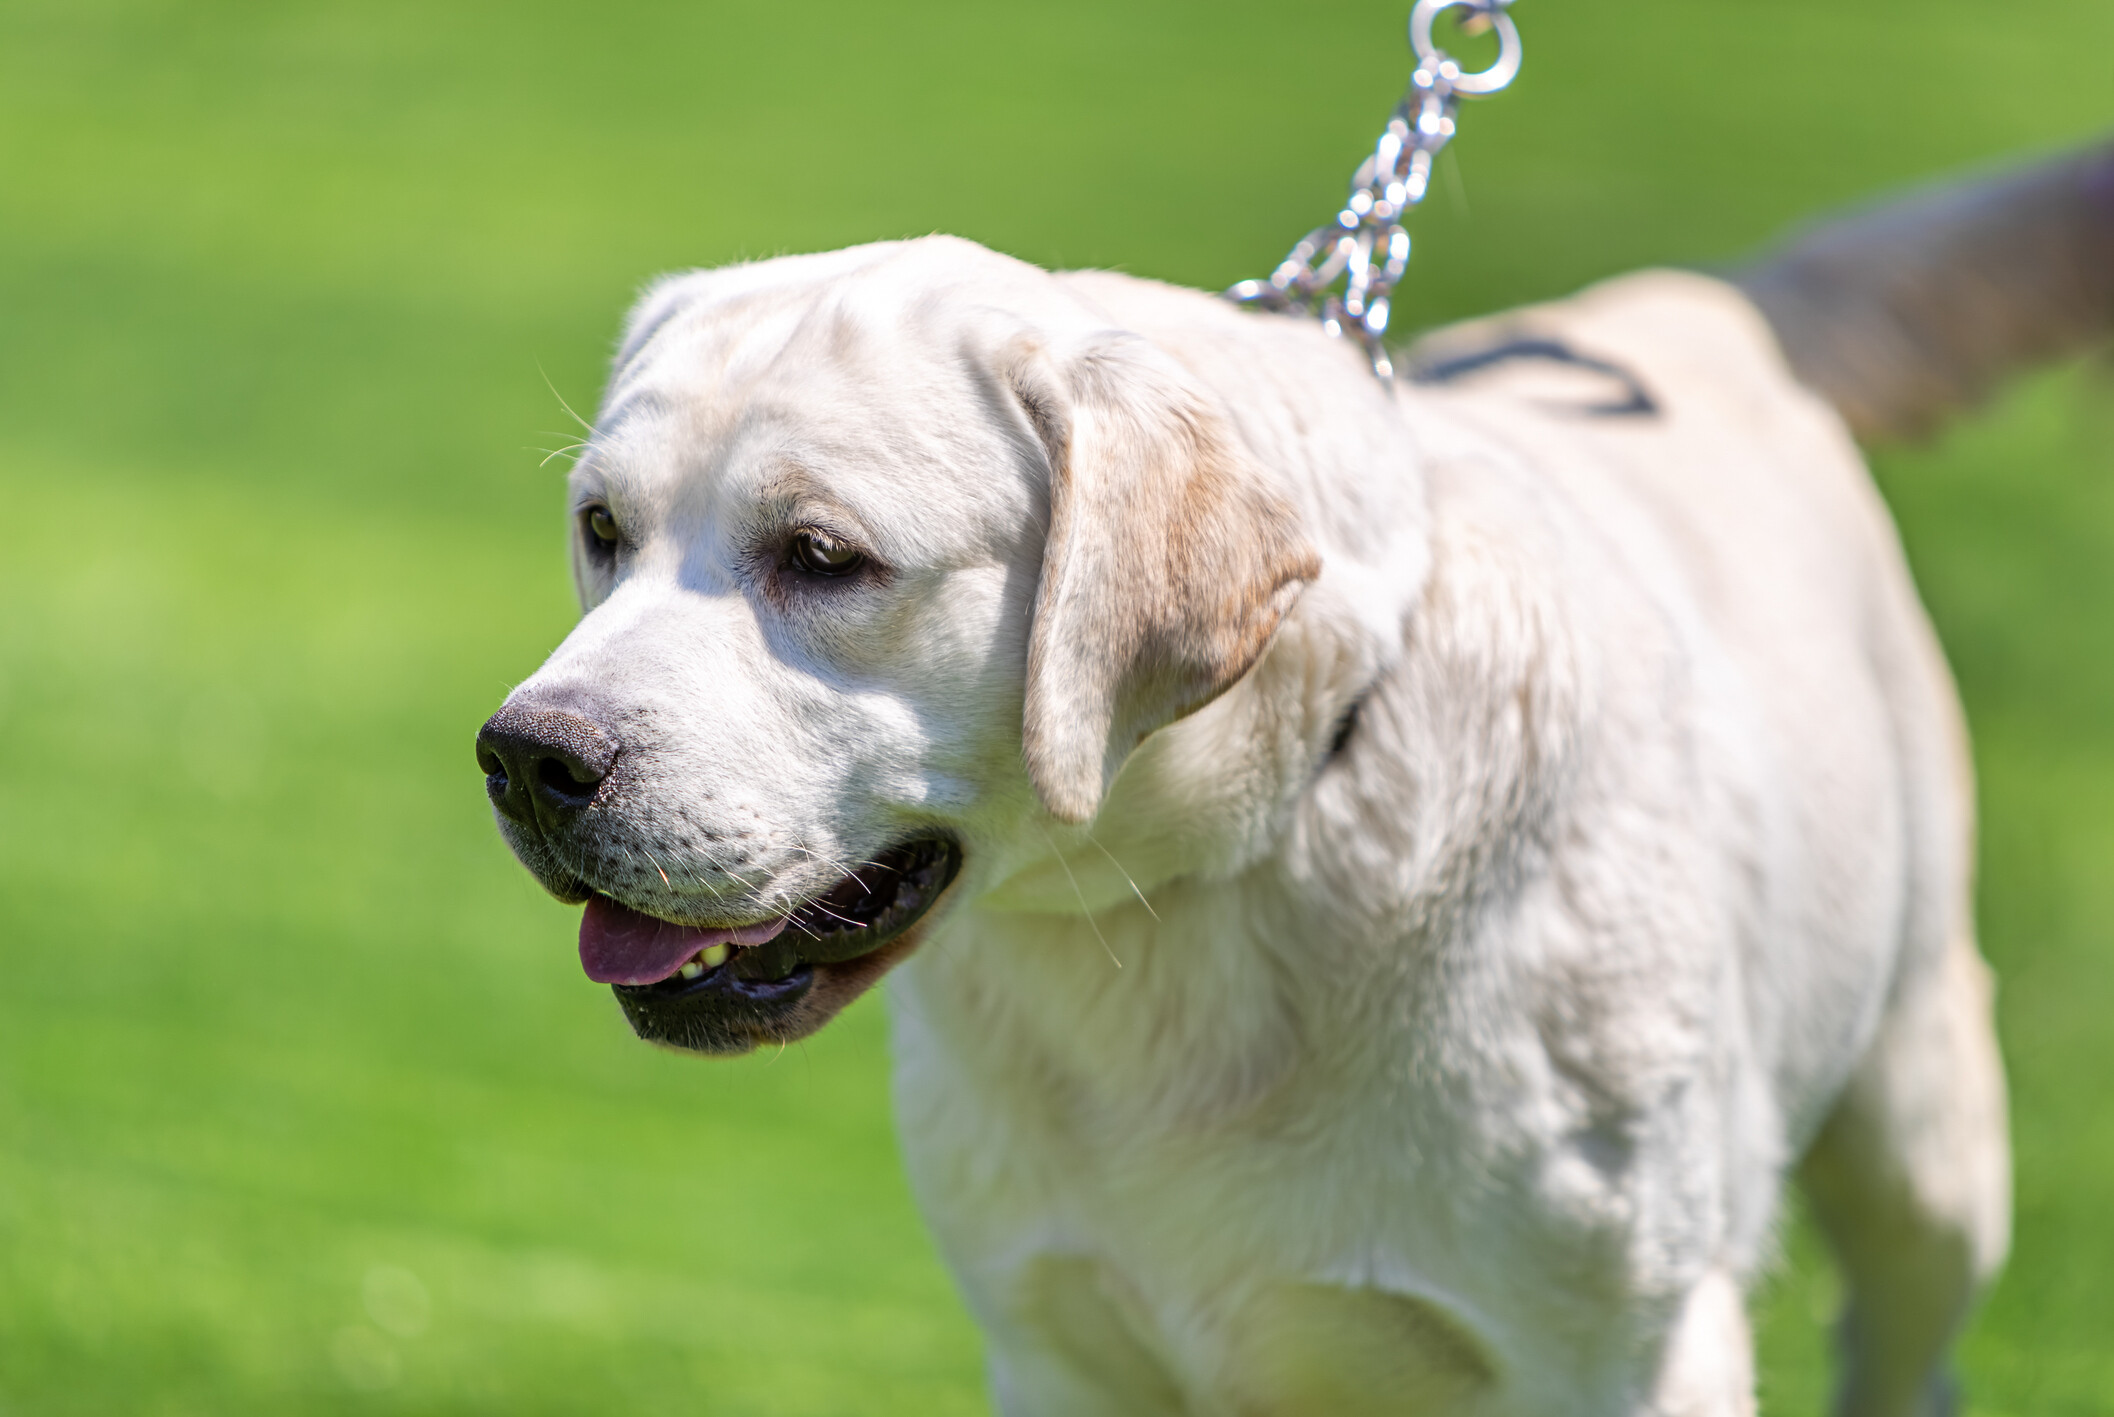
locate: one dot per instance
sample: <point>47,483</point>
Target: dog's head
<point>881,552</point>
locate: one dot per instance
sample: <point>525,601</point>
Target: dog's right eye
<point>823,555</point>
<point>602,527</point>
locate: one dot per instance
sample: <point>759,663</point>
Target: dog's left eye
<point>601,526</point>
<point>824,555</point>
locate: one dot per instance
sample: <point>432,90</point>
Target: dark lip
<point>833,949</point>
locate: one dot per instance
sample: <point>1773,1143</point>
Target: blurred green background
<point>304,1103</point>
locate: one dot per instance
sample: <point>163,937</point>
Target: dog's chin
<point>834,950</point>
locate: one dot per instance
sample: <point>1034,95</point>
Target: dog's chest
<point>1334,1253</point>
<point>1275,1203</point>
<point>1285,1348</point>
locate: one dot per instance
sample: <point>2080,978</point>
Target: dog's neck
<point>1213,792</point>
<point>1143,947</point>
<point>1209,795</point>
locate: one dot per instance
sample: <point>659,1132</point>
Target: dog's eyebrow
<point>791,481</point>
<point>633,403</point>
<point>601,460</point>
<point>791,484</point>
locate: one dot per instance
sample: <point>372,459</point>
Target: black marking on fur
<point>1344,728</point>
<point>1640,402</point>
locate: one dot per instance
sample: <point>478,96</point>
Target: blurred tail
<point>1908,310</point>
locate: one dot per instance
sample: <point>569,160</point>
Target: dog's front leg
<point>1708,1366</point>
<point>1066,1348</point>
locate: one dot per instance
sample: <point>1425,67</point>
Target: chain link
<point>1366,247</point>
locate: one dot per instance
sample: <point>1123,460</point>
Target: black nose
<point>542,762</point>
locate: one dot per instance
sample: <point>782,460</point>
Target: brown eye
<point>602,526</point>
<point>824,555</point>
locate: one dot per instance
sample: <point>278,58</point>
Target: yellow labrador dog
<point>1389,882</point>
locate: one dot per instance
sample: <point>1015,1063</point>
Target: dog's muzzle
<point>711,989</point>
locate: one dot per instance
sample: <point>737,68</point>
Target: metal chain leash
<point>1365,247</point>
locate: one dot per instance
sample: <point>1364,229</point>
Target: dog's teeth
<point>691,970</point>
<point>713,955</point>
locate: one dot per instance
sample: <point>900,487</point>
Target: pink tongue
<point>619,945</point>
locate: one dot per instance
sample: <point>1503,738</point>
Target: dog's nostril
<point>558,776</point>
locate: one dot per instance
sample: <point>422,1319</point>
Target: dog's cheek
<point>962,674</point>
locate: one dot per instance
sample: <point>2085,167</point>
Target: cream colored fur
<point>1458,1071</point>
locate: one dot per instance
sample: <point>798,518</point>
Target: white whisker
<point>1126,876</point>
<point>559,452</point>
<point>1083,909</point>
<point>561,399</point>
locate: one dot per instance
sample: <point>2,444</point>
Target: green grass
<point>280,288</point>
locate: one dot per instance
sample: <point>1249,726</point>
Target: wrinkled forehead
<point>864,372</point>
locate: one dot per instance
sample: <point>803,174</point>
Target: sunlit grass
<point>304,1105</point>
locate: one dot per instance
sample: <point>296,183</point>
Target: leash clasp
<point>1366,246</point>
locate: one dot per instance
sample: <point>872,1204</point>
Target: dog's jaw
<point>780,981</point>
<point>780,1012</point>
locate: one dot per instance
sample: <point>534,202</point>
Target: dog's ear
<point>1169,562</point>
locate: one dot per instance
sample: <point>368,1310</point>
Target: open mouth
<point>726,990</point>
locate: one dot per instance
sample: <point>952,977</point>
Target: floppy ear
<point>1169,563</point>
